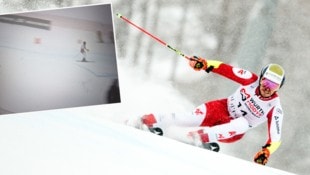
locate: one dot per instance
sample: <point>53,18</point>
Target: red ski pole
<point>152,36</point>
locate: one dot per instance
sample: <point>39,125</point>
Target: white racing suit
<point>226,120</point>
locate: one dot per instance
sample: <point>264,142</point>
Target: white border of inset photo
<point>58,58</point>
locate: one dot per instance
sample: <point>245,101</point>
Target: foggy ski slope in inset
<point>41,69</point>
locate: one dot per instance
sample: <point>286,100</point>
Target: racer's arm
<point>275,118</point>
<point>241,76</point>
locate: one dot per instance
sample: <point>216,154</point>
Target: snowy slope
<point>91,140</point>
<point>64,142</point>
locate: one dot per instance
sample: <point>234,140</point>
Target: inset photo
<point>58,58</point>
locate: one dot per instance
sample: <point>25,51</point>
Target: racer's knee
<point>240,124</point>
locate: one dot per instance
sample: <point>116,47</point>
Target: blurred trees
<point>207,29</point>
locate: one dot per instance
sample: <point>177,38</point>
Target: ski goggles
<point>269,84</point>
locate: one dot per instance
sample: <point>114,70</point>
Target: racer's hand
<point>262,156</point>
<point>198,63</point>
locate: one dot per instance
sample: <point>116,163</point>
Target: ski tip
<point>119,15</point>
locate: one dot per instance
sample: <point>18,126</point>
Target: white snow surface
<point>92,140</point>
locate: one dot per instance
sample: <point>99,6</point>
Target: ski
<point>156,131</point>
<point>212,146</point>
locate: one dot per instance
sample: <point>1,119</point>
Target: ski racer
<point>84,51</point>
<point>227,120</point>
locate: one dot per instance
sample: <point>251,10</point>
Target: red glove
<point>198,63</point>
<point>262,156</point>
